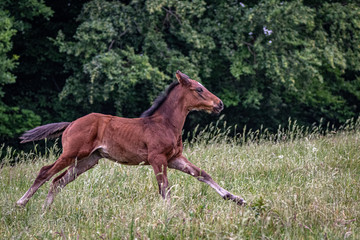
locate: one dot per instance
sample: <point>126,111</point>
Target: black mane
<point>159,100</point>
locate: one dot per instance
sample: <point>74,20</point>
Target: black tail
<point>51,130</point>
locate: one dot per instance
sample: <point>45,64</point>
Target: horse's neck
<point>174,112</point>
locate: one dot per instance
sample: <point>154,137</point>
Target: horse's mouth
<point>217,110</point>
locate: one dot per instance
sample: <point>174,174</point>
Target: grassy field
<point>299,184</point>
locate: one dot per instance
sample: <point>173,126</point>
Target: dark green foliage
<point>267,60</point>
<point>6,63</point>
<point>285,59</point>
<point>15,18</point>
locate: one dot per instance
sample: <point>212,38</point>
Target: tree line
<point>267,60</point>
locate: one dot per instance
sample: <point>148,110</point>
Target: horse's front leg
<point>159,165</point>
<point>184,165</point>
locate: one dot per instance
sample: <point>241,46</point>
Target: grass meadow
<point>299,183</point>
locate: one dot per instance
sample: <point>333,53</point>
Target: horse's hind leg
<point>185,166</point>
<point>44,175</point>
<point>70,175</point>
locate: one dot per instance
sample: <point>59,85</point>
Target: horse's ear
<point>182,78</point>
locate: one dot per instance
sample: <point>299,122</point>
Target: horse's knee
<point>164,190</point>
<point>203,176</point>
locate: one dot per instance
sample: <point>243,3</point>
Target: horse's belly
<point>124,157</point>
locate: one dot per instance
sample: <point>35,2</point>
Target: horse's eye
<point>199,90</point>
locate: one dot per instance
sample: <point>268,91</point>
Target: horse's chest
<point>172,148</point>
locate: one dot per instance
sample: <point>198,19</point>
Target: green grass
<point>299,184</point>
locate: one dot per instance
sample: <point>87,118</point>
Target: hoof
<point>20,204</point>
<point>239,201</point>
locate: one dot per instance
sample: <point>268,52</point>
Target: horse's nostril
<point>221,104</point>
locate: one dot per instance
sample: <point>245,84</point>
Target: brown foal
<point>153,139</point>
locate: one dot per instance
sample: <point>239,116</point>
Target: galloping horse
<point>153,139</point>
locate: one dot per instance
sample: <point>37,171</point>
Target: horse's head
<point>197,96</point>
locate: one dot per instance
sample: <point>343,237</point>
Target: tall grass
<point>300,183</point>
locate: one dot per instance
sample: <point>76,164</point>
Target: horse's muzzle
<point>217,109</point>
